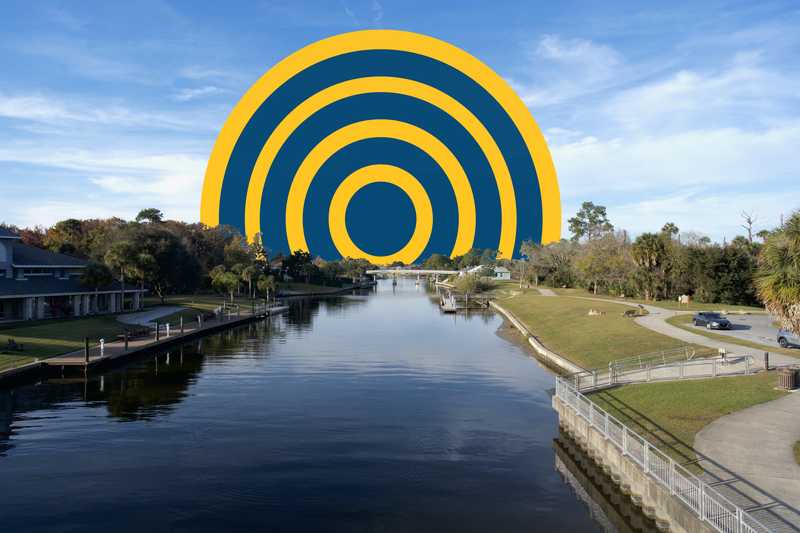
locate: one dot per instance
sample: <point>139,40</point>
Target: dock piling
<point>181,324</point>
<point>158,331</point>
<point>126,340</point>
<point>86,349</point>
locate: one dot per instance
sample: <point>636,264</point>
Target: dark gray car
<point>711,320</point>
<point>788,339</point>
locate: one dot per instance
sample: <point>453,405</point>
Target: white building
<point>37,284</point>
<point>502,273</point>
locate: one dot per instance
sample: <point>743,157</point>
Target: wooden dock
<point>116,350</point>
<point>452,302</point>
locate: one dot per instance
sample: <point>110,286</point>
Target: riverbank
<point>565,329</point>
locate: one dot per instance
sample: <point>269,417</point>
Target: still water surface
<point>358,413</point>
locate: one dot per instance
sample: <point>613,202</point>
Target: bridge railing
<point>704,501</point>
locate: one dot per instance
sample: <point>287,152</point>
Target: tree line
<point>665,264</point>
<point>171,257</point>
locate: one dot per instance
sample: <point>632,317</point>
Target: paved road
<point>145,318</point>
<point>753,328</point>
<point>753,448</point>
<point>656,318</point>
<point>748,454</point>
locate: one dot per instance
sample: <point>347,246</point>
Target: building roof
<point>14,288</point>
<point>6,233</point>
<point>501,269</point>
<point>25,255</point>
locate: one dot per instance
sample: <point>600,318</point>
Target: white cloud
<point>745,92</point>
<point>61,110</point>
<point>185,95</point>
<point>716,158</point>
<point>563,69</point>
<point>716,213</point>
<point>124,181</point>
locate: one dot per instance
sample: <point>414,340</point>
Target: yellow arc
<point>385,40</point>
<point>367,129</point>
<point>384,174</point>
<point>387,84</point>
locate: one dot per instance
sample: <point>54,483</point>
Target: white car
<point>786,338</point>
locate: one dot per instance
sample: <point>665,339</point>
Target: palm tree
<point>778,276</point>
<point>248,275</point>
<point>122,258</point>
<point>649,254</point>
<point>266,284</point>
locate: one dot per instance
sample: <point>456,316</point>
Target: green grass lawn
<point>564,326</point>
<point>665,304</point>
<point>797,452</point>
<point>685,322</point>
<point>670,414</point>
<point>47,338</point>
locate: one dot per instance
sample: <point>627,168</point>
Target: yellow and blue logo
<point>385,145</point>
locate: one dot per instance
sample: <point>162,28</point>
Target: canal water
<point>372,412</point>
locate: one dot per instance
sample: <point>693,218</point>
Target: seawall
<point>549,356</point>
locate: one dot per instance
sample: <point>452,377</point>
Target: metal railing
<point>647,372</point>
<point>704,501</point>
<point>684,353</point>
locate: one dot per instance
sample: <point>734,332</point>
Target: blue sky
<point>684,112</point>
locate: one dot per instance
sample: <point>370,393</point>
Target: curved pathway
<point>656,320</point>
<point>145,318</point>
<point>747,455</point>
<point>755,445</point>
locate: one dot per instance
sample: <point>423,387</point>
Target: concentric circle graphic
<point>383,106</point>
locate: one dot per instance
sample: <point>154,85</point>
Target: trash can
<point>787,378</point>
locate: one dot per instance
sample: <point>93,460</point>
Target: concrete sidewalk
<point>145,318</point>
<point>750,454</point>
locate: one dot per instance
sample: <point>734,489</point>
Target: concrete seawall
<point>655,500</point>
<point>549,356</point>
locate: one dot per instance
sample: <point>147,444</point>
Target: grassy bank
<point>47,338</point>
<point>665,304</point>
<point>670,414</point>
<point>685,322</point>
<point>564,326</point>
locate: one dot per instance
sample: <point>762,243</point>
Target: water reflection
<point>354,413</point>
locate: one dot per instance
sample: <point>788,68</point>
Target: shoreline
<point>540,349</point>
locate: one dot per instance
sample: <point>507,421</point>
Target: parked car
<point>711,320</point>
<point>786,338</point>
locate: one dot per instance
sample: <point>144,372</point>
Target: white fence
<point>654,371</point>
<point>708,504</point>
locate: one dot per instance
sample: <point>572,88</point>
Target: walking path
<point>755,447</point>
<point>656,320</point>
<point>747,455</point>
<point>145,318</point>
